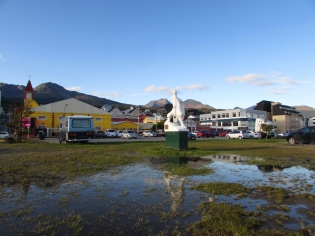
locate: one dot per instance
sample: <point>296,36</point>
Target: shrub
<point>9,140</point>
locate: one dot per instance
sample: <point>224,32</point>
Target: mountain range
<point>50,92</point>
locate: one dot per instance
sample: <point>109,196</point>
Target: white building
<point>311,121</point>
<point>234,119</point>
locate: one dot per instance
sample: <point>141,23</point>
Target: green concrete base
<point>177,140</point>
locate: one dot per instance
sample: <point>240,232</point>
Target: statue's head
<point>174,92</point>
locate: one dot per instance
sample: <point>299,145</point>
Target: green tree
<point>17,121</point>
<point>266,128</point>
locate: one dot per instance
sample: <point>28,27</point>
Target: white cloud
<point>165,89</point>
<point>273,81</point>
<point>253,79</point>
<point>198,87</point>
<point>74,88</point>
<point>288,80</point>
<point>280,91</point>
<point>245,78</point>
<point>113,94</point>
<point>2,58</point>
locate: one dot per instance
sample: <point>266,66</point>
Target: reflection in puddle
<point>230,158</point>
<point>175,186</point>
<point>141,199</point>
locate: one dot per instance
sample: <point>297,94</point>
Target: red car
<point>223,133</point>
<point>205,134</point>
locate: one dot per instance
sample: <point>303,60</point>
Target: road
<point>139,139</point>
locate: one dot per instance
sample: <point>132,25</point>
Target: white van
<point>76,129</point>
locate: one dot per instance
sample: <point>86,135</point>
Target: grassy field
<point>46,164</point>
<point>35,158</point>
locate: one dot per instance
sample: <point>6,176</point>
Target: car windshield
<point>110,130</point>
<point>130,131</point>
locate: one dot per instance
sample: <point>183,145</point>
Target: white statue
<point>177,113</point>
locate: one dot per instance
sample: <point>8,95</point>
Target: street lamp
<point>155,121</point>
<point>64,110</point>
<point>138,123</point>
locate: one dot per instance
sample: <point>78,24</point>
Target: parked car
<point>281,135</point>
<point>149,133</point>
<point>4,135</point>
<point>305,135</point>
<point>119,133</point>
<point>240,134</point>
<point>129,134</point>
<point>253,134</point>
<point>160,133</point>
<point>191,136</point>
<point>205,134</point>
<point>100,134</point>
<point>195,133</point>
<point>110,133</point>
<point>223,133</point>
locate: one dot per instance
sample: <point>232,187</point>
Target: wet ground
<point>141,199</point>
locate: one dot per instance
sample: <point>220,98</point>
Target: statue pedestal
<point>177,139</point>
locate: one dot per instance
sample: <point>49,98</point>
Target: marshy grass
<point>224,219</point>
<point>273,193</point>
<point>307,196</point>
<point>222,188</point>
<point>185,169</point>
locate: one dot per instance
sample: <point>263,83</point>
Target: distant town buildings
<point>285,118</point>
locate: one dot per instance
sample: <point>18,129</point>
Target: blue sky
<point>224,53</point>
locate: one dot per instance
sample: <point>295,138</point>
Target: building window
<point>226,124</point>
<point>223,115</point>
<point>234,114</point>
<point>214,123</point>
<point>28,95</point>
<point>235,123</point>
<point>243,123</point>
<point>227,115</point>
<point>41,118</point>
<point>98,119</point>
<point>219,116</point>
<point>213,115</point>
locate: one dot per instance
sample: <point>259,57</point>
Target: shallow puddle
<point>141,199</point>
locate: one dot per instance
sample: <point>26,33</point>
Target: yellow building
<point>153,119</point>
<point>47,116</point>
<point>126,125</point>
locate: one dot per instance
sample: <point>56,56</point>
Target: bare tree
<point>18,121</point>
